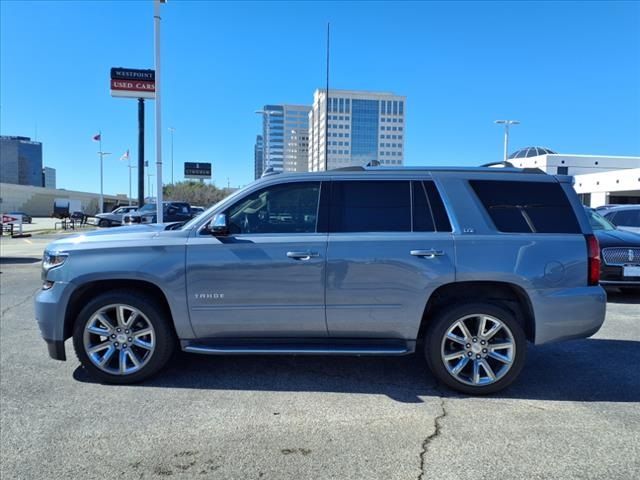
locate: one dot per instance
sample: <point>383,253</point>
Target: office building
<point>258,153</point>
<point>598,179</point>
<point>49,177</point>
<point>363,127</point>
<point>285,132</point>
<point>20,161</point>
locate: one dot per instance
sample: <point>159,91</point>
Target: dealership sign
<point>197,170</point>
<point>133,83</point>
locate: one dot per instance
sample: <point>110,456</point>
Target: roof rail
<point>503,164</point>
<point>355,168</point>
<point>268,172</point>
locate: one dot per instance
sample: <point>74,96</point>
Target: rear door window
<point>429,214</point>
<point>370,206</point>
<point>525,207</point>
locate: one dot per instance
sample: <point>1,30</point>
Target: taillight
<point>593,249</point>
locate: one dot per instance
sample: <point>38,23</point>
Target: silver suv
<point>464,265</point>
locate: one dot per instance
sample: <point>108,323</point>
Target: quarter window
<point>524,207</point>
<point>284,208</point>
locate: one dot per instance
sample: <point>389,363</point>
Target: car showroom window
<point>284,208</point>
<point>370,206</point>
<point>525,207</point>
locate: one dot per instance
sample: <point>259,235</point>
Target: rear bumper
<point>565,314</point>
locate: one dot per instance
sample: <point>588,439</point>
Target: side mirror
<point>218,225</point>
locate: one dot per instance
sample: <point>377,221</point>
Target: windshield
<point>149,207</point>
<point>197,219</point>
<point>598,222</point>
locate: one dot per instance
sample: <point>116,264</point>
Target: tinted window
<point>523,207</point>
<point>422,214</point>
<point>437,207</point>
<point>370,206</point>
<point>563,170</point>
<point>285,208</point>
<point>627,218</point>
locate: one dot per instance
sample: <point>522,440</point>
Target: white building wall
<point>577,164</point>
<point>599,179</point>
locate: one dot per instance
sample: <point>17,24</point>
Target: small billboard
<point>133,83</point>
<point>197,170</point>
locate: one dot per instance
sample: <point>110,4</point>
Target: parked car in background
<point>172,212</point>
<point>464,265</point>
<point>625,217</point>
<point>196,210</point>
<point>620,253</point>
<point>115,217</point>
<point>25,218</point>
<point>65,207</point>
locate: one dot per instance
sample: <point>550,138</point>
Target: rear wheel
<point>120,337</point>
<point>475,348</point>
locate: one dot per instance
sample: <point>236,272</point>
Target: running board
<point>263,347</point>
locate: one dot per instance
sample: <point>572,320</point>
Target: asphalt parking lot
<point>573,414</point>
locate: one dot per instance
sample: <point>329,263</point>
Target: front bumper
<point>50,307</point>
<point>565,314</point>
<point>613,276</point>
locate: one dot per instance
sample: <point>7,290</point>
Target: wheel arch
<point>510,295</point>
<point>89,290</point>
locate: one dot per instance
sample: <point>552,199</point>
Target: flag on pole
<point>96,138</point>
<point>125,155</point>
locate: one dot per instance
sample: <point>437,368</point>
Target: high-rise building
<point>363,127</point>
<point>49,177</point>
<point>20,161</point>
<point>258,153</point>
<point>285,132</point>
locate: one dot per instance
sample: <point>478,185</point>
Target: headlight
<point>53,259</point>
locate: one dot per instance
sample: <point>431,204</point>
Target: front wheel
<point>104,223</point>
<point>120,337</point>
<point>475,348</point>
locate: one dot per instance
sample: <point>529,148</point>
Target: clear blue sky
<point>570,72</point>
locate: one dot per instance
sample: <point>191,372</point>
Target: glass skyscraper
<point>363,127</point>
<point>258,154</point>
<point>285,137</point>
<point>20,161</point>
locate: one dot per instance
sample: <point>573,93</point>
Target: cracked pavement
<point>573,414</point>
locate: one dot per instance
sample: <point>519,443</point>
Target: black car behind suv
<point>172,212</point>
<point>620,253</point>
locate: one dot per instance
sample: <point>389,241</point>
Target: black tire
<point>104,223</point>
<point>165,340</point>
<point>445,318</point>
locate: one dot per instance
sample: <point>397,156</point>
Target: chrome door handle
<point>430,253</point>
<point>302,255</point>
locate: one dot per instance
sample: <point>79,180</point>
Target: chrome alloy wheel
<point>478,349</point>
<point>119,339</point>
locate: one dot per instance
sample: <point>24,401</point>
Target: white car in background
<point>115,217</point>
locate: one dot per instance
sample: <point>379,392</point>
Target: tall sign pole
<point>140,152</point>
<point>326,110</point>
<point>101,153</point>
<point>156,25</point>
<point>139,84</point>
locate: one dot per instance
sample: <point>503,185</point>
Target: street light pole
<point>171,130</point>
<point>102,154</point>
<point>507,124</point>
<point>156,25</point>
